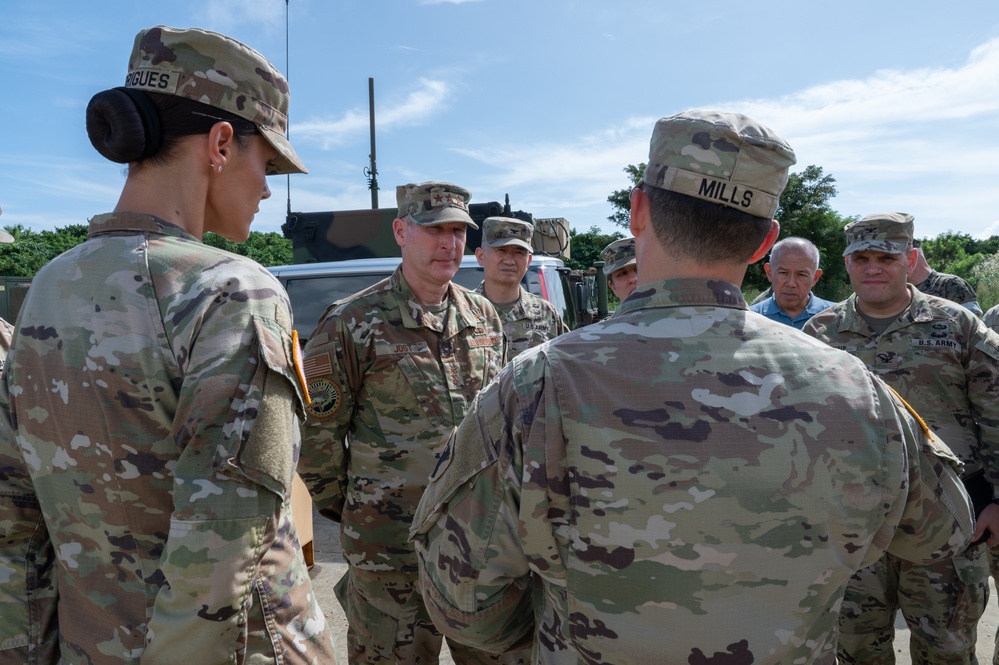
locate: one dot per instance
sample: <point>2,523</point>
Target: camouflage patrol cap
<point>889,232</point>
<point>721,157</point>
<point>619,254</point>
<point>503,231</point>
<point>219,71</point>
<point>431,203</point>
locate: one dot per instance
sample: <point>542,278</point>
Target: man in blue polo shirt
<point>793,271</point>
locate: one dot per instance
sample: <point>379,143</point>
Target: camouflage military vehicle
<point>13,290</point>
<point>367,234</point>
<point>339,242</point>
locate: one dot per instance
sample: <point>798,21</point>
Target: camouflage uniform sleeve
<point>473,571</point>
<point>932,517</point>
<point>236,427</point>
<point>29,632</point>
<point>982,387</point>
<point>333,377</point>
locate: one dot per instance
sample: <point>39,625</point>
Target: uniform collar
<point>918,311</point>
<point>461,313</point>
<point>694,292</point>
<point>131,222</point>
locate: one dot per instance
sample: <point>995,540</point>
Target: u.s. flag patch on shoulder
<point>326,398</point>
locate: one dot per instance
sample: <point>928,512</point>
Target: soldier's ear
<point>639,211</point>
<point>767,243</point>
<point>399,231</point>
<point>221,138</point>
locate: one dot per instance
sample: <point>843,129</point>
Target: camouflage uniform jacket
<point>152,389</point>
<point>384,381</point>
<point>941,359</point>
<point>28,596</point>
<point>716,513</point>
<point>6,337</point>
<point>531,321</point>
<point>991,318</point>
<point>950,287</point>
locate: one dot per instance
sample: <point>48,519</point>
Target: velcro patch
<point>487,340</point>
<point>319,365</point>
<point>392,348</point>
<point>937,344</point>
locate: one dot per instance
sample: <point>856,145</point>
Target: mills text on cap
<point>503,231</point>
<point>219,71</point>
<point>725,158</point>
<point>888,232</point>
<point>433,202</point>
<point>619,254</point>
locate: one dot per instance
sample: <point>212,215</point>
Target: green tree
<point>620,200</point>
<point>985,279</point>
<point>267,249</point>
<point>33,249</point>
<point>957,253</point>
<point>804,211</point>
<point>586,246</point>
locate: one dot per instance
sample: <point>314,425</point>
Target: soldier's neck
<point>501,294</point>
<point>426,290</point>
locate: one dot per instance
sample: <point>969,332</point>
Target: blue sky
<point>546,100</point>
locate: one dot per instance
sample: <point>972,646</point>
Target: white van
<point>312,287</point>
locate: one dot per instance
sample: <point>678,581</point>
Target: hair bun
<point>123,125</point>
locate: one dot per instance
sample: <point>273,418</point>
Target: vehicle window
<point>468,276</point>
<point>532,282</point>
<point>310,296</point>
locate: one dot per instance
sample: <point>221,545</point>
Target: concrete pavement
<point>328,569</point>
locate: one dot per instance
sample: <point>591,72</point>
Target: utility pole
<point>372,171</point>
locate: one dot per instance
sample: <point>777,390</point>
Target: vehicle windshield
<point>310,295</point>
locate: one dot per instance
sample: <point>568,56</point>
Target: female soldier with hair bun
<point>153,391</point>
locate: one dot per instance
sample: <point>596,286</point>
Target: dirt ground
<point>330,567</point>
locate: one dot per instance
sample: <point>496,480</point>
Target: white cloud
<point>415,109</point>
<point>989,231</point>
<point>920,140</point>
<point>228,13</point>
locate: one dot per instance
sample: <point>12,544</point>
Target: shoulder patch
<point>317,365</point>
<point>326,398</point>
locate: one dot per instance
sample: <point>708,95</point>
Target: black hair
<point>128,126</point>
<point>705,231</point>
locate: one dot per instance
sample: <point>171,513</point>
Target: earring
<point>220,168</point>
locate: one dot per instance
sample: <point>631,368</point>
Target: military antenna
<point>371,171</point>
<point>287,74</point>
